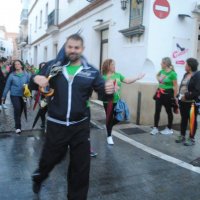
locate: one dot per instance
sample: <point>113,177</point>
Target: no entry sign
<point>161,8</point>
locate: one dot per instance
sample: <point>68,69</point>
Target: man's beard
<point>74,57</point>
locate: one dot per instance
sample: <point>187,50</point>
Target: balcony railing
<point>52,22</point>
<point>24,16</point>
<point>52,19</point>
<point>22,41</point>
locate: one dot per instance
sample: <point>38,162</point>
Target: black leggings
<point>185,117</point>
<point>1,92</point>
<point>166,101</point>
<point>110,120</point>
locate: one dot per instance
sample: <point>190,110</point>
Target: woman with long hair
<point>187,96</point>
<point>165,95</point>
<point>15,85</point>
<point>109,73</point>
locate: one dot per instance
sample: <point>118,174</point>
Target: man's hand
<point>140,76</point>
<point>109,87</point>
<point>42,81</point>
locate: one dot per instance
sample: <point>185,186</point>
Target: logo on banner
<point>179,54</point>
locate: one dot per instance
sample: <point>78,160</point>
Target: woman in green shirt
<point>165,95</point>
<point>108,71</point>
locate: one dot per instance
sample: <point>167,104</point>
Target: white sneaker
<point>18,131</point>
<point>154,131</point>
<point>110,140</point>
<point>4,106</point>
<point>166,131</point>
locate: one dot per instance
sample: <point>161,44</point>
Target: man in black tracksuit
<point>68,122</point>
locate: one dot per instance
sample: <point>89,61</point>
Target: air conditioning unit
<point>197,7</point>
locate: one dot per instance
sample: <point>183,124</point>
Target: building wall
<point>132,55</point>
<point>67,8</point>
<point>8,41</point>
<point>163,33</point>
<point>12,45</point>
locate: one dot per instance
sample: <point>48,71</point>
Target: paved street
<point>139,166</point>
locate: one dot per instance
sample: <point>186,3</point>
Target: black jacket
<point>68,105</point>
<point>194,88</point>
<point>2,80</point>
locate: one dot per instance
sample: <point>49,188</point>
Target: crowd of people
<point>186,98</point>
<point>71,84</point>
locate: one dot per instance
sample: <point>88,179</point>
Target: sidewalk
<point>163,143</point>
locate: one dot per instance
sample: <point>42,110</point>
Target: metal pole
<point>138,108</point>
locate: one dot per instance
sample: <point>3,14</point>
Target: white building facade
<point>137,34</point>
<point>6,43</point>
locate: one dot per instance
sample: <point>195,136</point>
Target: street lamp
<point>123,4</point>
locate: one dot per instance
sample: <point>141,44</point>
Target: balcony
<point>135,31</point>
<point>2,49</point>
<point>24,17</point>
<point>52,23</point>
<point>22,41</point>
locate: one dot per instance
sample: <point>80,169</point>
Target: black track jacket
<point>68,105</point>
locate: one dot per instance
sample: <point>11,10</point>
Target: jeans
<point>18,105</point>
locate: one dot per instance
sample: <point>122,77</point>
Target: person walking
<point>2,83</point>
<point>3,78</point>
<point>43,104</point>
<point>189,92</point>
<point>165,95</point>
<point>109,73</point>
<point>15,84</point>
<point>68,120</point>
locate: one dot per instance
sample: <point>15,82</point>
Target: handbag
<point>121,111</point>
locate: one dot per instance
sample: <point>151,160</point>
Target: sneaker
<point>154,131</point>
<point>4,106</point>
<point>110,140</point>
<point>166,131</point>
<point>18,131</point>
<point>189,142</point>
<point>36,187</point>
<point>42,126</point>
<point>180,139</point>
<point>93,154</point>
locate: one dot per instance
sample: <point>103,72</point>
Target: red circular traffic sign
<point>161,8</point>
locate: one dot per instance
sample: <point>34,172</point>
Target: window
<point>36,22</point>
<point>41,19</point>
<point>45,54</point>
<point>30,34</point>
<point>136,13</point>
<point>46,13</point>
<point>55,50</point>
<point>104,46</point>
<point>135,29</point>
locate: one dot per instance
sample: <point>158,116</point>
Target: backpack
<point>121,111</point>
